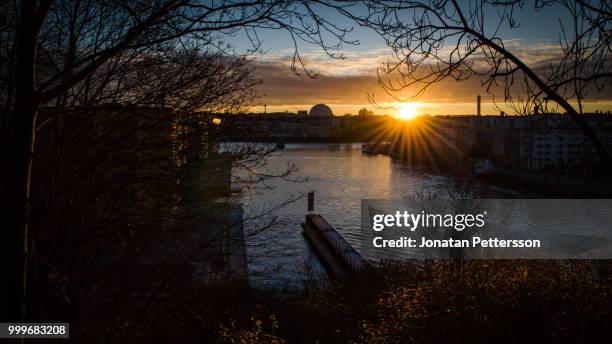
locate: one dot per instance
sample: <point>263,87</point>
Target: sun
<point>408,111</point>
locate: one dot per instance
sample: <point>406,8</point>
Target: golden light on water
<point>408,111</point>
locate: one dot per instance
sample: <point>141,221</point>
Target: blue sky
<point>345,84</point>
<point>534,26</point>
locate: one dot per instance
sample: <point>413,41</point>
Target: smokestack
<point>478,105</point>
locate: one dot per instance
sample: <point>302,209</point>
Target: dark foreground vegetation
<point>433,302</point>
<point>117,229</point>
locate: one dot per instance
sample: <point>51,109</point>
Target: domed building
<point>320,110</point>
<point>320,122</point>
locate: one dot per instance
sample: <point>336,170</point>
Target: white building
<point>557,139</point>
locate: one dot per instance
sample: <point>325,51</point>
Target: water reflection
<point>341,176</point>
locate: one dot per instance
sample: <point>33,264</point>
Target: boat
<point>370,148</point>
<point>384,147</point>
<point>484,168</point>
<point>373,148</point>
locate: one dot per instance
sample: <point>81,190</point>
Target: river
<point>340,175</point>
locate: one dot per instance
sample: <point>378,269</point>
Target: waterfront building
<point>556,140</point>
<point>532,142</point>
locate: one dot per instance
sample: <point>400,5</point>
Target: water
<point>340,175</point>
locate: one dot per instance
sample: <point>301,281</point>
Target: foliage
<point>256,333</point>
<point>415,302</point>
<point>495,301</point>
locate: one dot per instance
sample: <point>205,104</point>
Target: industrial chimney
<point>478,105</point>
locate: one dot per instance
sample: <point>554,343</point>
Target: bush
<point>256,333</point>
<point>495,301</point>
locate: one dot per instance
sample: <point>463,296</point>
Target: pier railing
<point>339,245</point>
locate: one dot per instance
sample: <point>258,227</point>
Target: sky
<point>351,83</point>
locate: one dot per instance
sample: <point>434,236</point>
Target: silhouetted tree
<point>365,112</point>
<point>80,52</point>
<point>435,40</point>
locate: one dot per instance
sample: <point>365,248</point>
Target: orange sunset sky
<point>346,84</point>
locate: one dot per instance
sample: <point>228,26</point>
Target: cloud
<point>280,86</point>
<point>353,63</point>
<point>347,82</point>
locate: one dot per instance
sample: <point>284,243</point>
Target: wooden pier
<point>338,257</point>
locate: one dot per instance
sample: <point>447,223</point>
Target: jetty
<point>339,258</point>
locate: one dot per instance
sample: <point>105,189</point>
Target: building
<point>556,140</point>
<point>530,142</point>
<point>320,111</point>
<point>320,122</point>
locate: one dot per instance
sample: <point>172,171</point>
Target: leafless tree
<point>112,207</point>
<point>76,53</point>
<point>434,40</point>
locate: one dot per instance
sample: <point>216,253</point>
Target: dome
<point>320,110</point>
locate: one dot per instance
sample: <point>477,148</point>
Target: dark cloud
<point>281,87</point>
